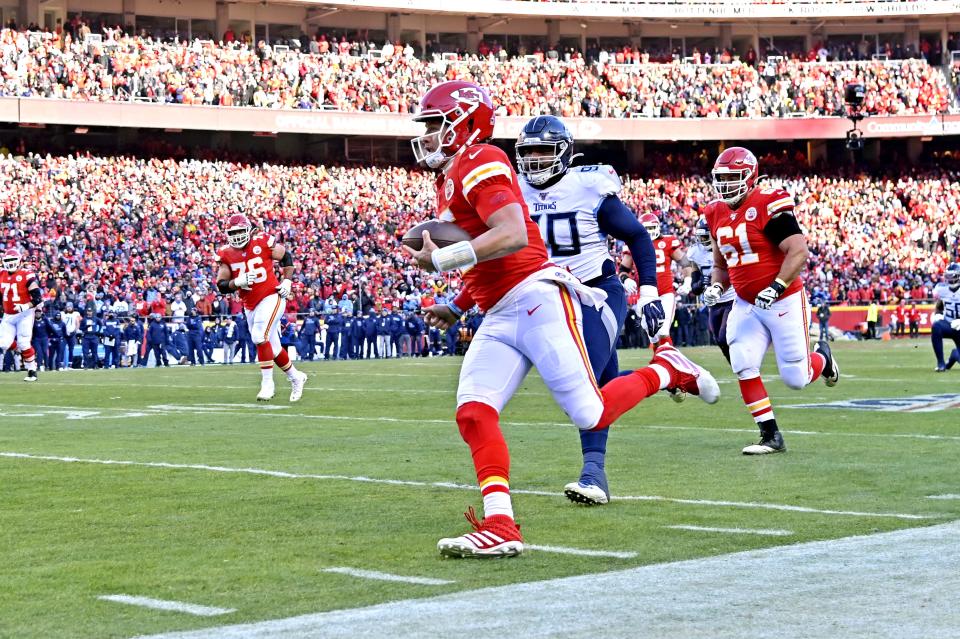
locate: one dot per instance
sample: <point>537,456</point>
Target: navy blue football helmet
<point>952,274</point>
<point>544,149</point>
<point>702,233</point>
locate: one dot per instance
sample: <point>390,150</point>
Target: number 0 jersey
<point>753,261</point>
<point>256,257</point>
<point>566,213</point>
<point>702,256</point>
<point>950,299</point>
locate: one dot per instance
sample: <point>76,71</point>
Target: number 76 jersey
<point>753,260</point>
<point>257,258</point>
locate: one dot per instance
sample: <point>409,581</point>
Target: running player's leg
<point>787,321</point>
<point>601,329</point>
<point>491,373</point>
<point>749,340</point>
<point>718,326</point>
<point>24,322</point>
<point>262,321</point>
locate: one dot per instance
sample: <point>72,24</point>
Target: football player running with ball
<point>759,250</point>
<point>533,315</point>
<point>21,297</point>
<point>576,208</point>
<point>946,319</point>
<point>246,268</point>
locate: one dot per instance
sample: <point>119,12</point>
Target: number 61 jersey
<point>257,258</point>
<point>566,213</point>
<point>753,260</point>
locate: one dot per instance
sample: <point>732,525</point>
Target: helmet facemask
<point>703,237</point>
<point>11,263</point>
<point>731,184</point>
<point>539,168</point>
<point>239,236</point>
<point>952,275</point>
<point>430,148</point>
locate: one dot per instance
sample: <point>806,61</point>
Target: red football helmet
<point>652,223</point>
<point>734,173</point>
<point>461,114</point>
<point>239,230</point>
<point>11,260</point>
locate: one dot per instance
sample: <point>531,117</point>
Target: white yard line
<point>453,486</point>
<point>582,552</point>
<point>898,584</point>
<point>279,410</point>
<point>163,604</point>
<point>945,497</point>
<point>734,531</point>
<point>385,576</point>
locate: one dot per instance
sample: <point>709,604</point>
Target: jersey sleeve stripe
<point>779,205</point>
<point>483,172</point>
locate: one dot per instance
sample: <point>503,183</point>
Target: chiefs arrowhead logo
<point>751,214</point>
<point>256,250</point>
<point>19,278</point>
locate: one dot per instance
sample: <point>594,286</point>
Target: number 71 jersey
<point>753,261</point>
<point>566,213</point>
<point>257,258</point>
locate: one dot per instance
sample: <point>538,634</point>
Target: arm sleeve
<point>464,300</point>
<point>618,221</point>
<point>781,227</point>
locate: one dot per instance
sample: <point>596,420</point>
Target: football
<point>442,234</point>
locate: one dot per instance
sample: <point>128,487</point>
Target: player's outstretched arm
<point>618,221</point>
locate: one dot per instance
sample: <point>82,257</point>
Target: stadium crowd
<point>617,83</point>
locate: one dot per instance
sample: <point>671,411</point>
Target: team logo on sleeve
<point>448,189</point>
<point>751,214</point>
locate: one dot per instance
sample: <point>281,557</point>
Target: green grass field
<point>73,530</point>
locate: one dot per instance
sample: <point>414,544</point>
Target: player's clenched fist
<point>424,257</point>
<point>440,316</point>
<point>712,294</point>
<point>769,295</point>
<point>285,290</point>
<point>245,280</point>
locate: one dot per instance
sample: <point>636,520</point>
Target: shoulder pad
<point>602,178</point>
<point>776,201</point>
<point>481,162</point>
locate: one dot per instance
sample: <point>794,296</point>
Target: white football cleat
<point>296,386</point>
<point>266,391</point>
<point>31,376</point>
<point>585,494</point>
<point>693,379</point>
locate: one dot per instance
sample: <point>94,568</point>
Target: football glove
<point>285,290</point>
<point>712,294</point>
<point>630,286</point>
<point>245,280</point>
<point>769,295</point>
<point>651,310</point>
<point>955,324</point>
<point>684,289</point>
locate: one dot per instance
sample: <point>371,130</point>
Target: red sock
<point>28,355</point>
<point>282,360</point>
<point>265,355</point>
<point>480,427</point>
<point>664,340</point>
<point>755,397</point>
<point>817,363</point>
<point>623,393</point>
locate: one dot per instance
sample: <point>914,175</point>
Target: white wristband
<point>453,257</point>
<point>648,294</point>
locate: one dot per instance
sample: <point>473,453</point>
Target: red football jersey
<point>15,289</point>
<point>256,257</point>
<point>753,261</point>
<point>476,184</point>
<point>663,247</point>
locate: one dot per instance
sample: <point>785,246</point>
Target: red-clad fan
<point>668,249</point>
<point>760,250</point>
<point>533,314</point>
<point>246,266</point>
<point>21,297</point>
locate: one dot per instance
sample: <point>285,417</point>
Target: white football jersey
<point>566,213</point>
<point>950,299</point>
<point>703,257</point>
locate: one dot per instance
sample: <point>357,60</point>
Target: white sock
<point>497,503</point>
<point>291,372</point>
<point>663,374</point>
<point>267,373</point>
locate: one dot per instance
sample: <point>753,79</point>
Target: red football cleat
<point>496,536</point>
<point>690,378</point>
